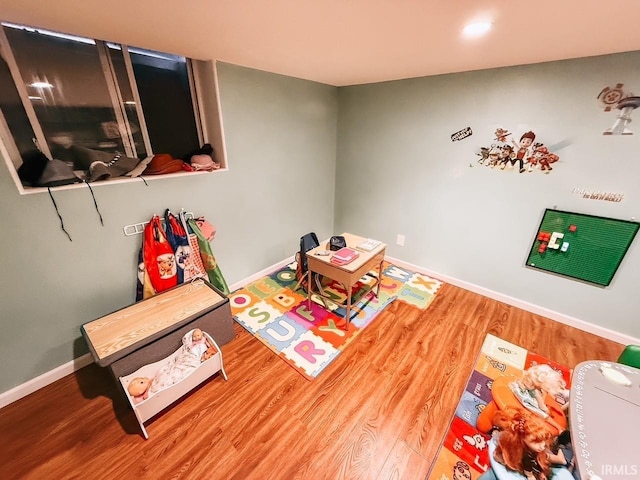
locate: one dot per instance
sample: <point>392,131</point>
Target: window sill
<point>24,190</point>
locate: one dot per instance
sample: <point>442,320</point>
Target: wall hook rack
<point>138,228</point>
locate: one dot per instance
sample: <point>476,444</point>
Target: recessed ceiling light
<point>476,29</point>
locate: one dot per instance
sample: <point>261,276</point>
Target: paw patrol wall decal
<point>520,153</point>
<point>615,97</point>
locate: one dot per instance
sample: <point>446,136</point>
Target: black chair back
<point>307,242</point>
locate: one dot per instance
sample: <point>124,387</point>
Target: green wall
<point>281,138</point>
<point>376,160</point>
<point>398,164</point>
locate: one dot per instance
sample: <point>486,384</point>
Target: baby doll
<point>199,343</point>
<point>139,388</point>
<point>523,444</point>
<point>530,390</point>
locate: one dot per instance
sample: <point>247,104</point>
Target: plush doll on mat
<point>523,446</point>
<point>530,390</point>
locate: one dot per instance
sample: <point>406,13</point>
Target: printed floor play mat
<point>466,452</point>
<point>310,338</point>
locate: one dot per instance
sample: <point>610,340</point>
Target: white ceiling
<point>347,42</point>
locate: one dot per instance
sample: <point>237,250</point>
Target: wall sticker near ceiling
<point>520,153</point>
<point>615,97</point>
<point>462,134</point>
<point>599,195</point>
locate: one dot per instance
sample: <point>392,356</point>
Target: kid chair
<point>307,242</point>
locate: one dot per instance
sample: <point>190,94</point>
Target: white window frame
<point>203,81</point>
<point>136,97</point>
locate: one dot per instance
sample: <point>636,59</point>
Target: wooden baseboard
<point>68,368</point>
<point>261,273</point>
<point>604,332</point>
<point>43,380</point>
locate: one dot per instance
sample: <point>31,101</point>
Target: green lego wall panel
<point>580,246</point>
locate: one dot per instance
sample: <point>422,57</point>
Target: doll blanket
<point>179,365</point>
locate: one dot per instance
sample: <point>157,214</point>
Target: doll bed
<point>161,399</point>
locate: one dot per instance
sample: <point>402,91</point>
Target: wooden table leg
<point>309,287</point>
<point>379,277</point>
<point>348,316</point>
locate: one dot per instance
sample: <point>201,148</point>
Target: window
<point>59,92</point>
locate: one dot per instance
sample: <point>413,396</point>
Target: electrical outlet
<point>400,240</point>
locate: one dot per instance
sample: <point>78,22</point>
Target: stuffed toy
<point>139,388</point>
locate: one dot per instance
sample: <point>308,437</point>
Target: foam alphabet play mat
<point>309,336</point>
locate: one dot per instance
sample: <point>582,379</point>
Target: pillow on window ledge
<point>33,163</point>
<point>162,163</point>
<point>203,163</point>
<point>57,173</point>
<point>206,149</point>
<point>101,165</point>
<point>83,158</point>
<point>38,171</point>
<point>118,166</point>
<point>136,172</point>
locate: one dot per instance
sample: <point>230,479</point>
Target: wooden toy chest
<point>151,330</point>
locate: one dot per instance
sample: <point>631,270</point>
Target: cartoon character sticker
<point>522,155</point>
<point>502,134</point>
<point>461,471</point>
<point>182,256</point>
<point>615,97</point>
<point>476,440</point>
<point>167,265</point>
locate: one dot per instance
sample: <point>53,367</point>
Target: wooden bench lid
<point>115,335</point>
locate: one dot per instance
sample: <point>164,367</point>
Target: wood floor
<point>378,412</point>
